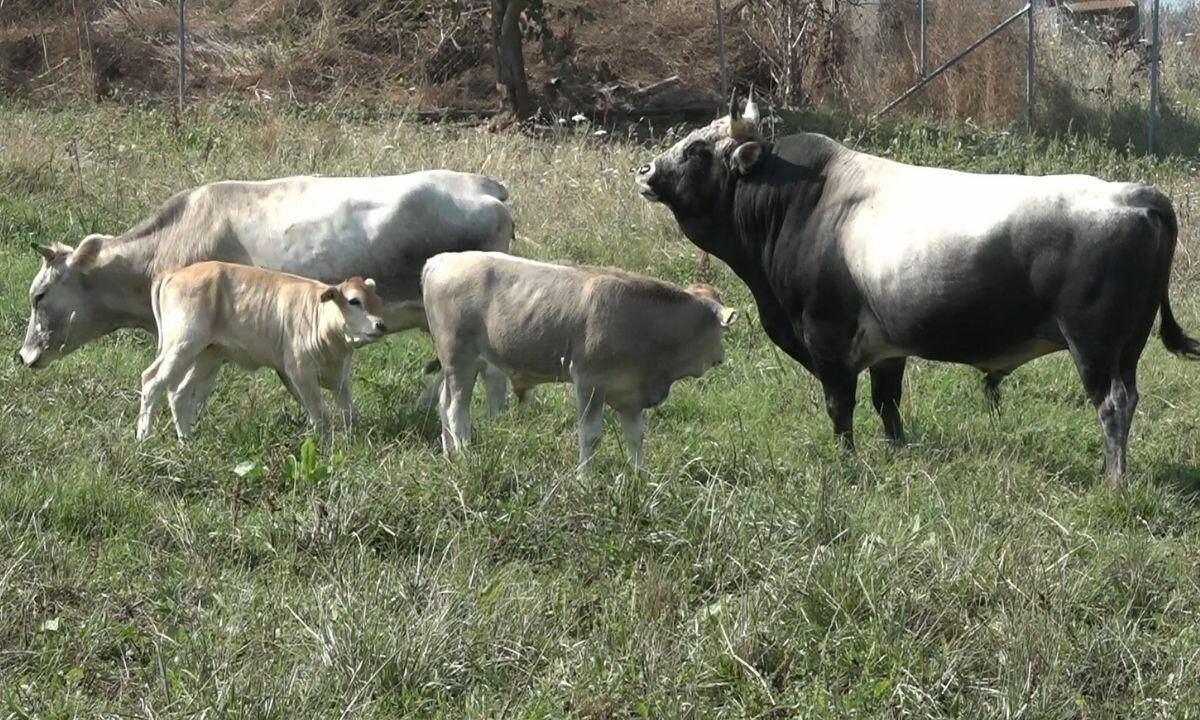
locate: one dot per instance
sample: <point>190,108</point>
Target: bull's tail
<point>1172,335</point>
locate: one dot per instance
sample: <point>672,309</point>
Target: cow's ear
<point>729,316</point>
<point>48,253</point>
<point>747,156</point>
<point>85,255</point>
<point>330,293</point>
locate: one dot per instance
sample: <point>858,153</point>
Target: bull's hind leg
<point>991,388</point>
<point>1114,404</point>
<point>887,380</point>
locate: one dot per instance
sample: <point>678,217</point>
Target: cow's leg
<point>633,425</point>
<point>589,406</point>
<point>165,372</point>
<point>458,382</point>
<point>188,399</point>
<point>495,384</point>
<point>887,380</point>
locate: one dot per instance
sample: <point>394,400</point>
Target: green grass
<point>984,571</point>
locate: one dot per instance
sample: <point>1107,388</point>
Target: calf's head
<point>708,350</point>
<point>360,309</point>
<point>63,310</point>
<point>692,176</point>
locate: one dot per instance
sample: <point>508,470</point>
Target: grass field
<point>984,571</point>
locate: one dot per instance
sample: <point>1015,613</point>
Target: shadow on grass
<point>1119,123</point>
<point>1178,477</point>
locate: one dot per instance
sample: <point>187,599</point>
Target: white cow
<point>211,313</point>
<point>326,228</point>
<point>621,339</point>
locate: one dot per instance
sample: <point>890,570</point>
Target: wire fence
<point>1091,61</point>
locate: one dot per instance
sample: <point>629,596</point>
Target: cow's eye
<point>355,301</point>
<point>38,298</point>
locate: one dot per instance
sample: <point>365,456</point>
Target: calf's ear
<point>330,293</point>
<point>85,255</point>
<point>747,156</point>
<point>369,282</point>
<point>729,316</point>
<point>48,253</point>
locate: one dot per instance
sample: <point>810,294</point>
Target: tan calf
<point>621,339</point>
<point>211,313</point>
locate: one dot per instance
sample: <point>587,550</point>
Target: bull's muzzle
<point>26,357</point>
<point>643,176</point>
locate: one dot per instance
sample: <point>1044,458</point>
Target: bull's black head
<point>691,177</point>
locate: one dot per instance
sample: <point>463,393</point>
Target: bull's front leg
<point>887,380</point>
<point>840,388</point>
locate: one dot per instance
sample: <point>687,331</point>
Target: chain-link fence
<point>634,57</point>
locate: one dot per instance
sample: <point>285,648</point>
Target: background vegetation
<point>755,572</point>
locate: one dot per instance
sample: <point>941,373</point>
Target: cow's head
<point>709,350</point>
<point>360,309</point>
<point>62,315</point>
<point>691,175</point>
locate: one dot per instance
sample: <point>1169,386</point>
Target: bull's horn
<point>733,105</point>
<point>750,114</point>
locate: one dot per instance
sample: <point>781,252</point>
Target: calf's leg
<point>495,384</point>
<point>455,406</point>
<point>342,394</point>
<point>887,381</point>
<point>589,405</point>
<point>308,388</point>
<point>188,399</point>
<point>633,425</point>
<point>165,372</point>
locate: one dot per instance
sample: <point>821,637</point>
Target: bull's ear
<point>747,156</point>
<point>85,255</point>
<point>330,293</point>
<point>48,253</point>
<point>729,316</point>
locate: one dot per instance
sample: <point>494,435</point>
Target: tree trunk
<point>509,56</point>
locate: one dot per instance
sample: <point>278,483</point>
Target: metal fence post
<point>921,24</point>
<point>1029,46</point>
<point>1152,113</point>
<point>720,47</point>
<point>182,31</point>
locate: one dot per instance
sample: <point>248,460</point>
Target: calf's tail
<point>156,306</point>
<point>1173,337</point>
